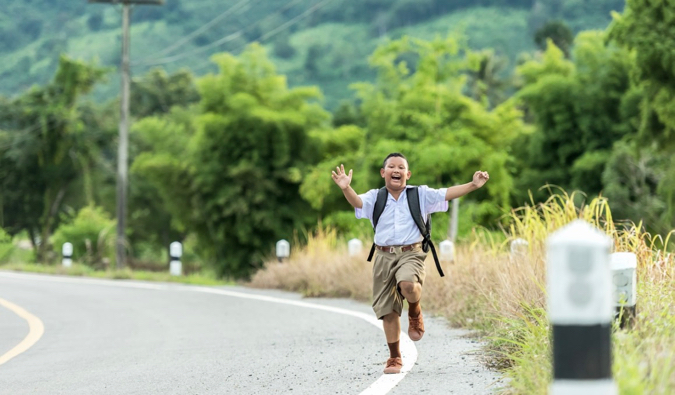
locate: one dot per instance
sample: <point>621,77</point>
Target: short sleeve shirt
<point>396,225</point>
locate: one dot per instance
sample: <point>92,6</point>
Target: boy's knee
<point>407,287</point>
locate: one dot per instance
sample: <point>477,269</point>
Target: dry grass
<point>322,267</point>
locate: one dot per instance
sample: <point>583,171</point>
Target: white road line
<point>381,386</point>
<point>387,381</point>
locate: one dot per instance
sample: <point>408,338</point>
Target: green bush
<point>6,246</point>
<point>92,234</point>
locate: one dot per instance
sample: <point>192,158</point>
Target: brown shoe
<point>393,366</point>
<point>415,327</point>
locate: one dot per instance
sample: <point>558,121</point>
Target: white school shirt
<point>396,226</point>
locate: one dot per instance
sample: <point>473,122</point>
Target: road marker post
<point>283,250</point>
<point>624,278</point>
<point>67,252</point>
<point>447,249</point>
<point>581,310</point>
<point>175,265</point>
<point>354,246</point>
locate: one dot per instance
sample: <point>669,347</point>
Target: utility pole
<point>123,147</point>
<point>454,220</point>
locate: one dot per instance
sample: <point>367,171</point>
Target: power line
<point>273,31</point>
<point>221,41</point>
<point>197,32</point>
<point>174,58</point>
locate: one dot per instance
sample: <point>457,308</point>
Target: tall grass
<point>504,295</point>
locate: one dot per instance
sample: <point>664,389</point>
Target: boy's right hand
<point>341,178</point>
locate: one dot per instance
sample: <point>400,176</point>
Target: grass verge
<point>203,278</point>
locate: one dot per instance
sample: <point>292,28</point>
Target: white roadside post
<point>581,310</point>
<point>67,252</point>
<point>354,246</point>
<point>283,249</point>
<point>447,251</point>
<point>624,265</point>
<point>519,247</point>
<point>175,252</point>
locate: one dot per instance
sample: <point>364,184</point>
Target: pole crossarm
<point>148,2</point>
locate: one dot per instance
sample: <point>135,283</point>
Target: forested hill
<point>317,42</point>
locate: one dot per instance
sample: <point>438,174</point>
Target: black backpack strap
<point>381,201</point>
<point>425,228</point>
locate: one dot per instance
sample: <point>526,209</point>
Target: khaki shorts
<point>389,269</point>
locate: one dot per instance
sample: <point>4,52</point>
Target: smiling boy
<point>398,270</point>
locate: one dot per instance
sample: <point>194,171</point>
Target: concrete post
<point>67,252</point>
<point>447,249</point>
<point>624,278</point>
<point>283,250</point>
<point>355,246</point>
<point>581,310</point>
<point>175,252</point>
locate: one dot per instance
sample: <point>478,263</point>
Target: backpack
<point>416,212</point>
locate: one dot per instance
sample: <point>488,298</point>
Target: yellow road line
<point>35,331</point>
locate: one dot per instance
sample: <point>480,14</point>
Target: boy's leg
<point>388,304</point>
<point>412,293</point>
<point>392,330</point>
<point>410,278</point>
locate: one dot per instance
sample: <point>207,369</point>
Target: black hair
<point>393,155</point>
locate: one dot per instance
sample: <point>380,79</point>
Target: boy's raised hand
<point>341,178</point>
<point>480,178</point>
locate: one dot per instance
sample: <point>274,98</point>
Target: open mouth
<point>396,178</point>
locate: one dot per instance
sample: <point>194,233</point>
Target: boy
<point>399,272</point>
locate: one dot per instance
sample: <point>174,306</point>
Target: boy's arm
<point>479,179</point>
<point>343,180</point>
<point>352,197</point>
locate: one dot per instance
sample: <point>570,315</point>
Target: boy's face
<point>395,173</point>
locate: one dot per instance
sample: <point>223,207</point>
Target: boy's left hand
<point>480,178</point>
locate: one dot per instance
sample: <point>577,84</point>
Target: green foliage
<point>631,179</point>
<point>157,92</point>
<point>6,245</point>
<point>580,109</point>
<point>646,29</point>
<point>92,233</point>
<point>423,113</point>
<point>45,148</point>
<point>231,175</point>
<point>556,31</point>
<point>160,208</point>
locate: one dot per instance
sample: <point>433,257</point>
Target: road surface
<point>128,337</point>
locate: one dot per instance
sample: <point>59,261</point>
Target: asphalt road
<point>123,337</point>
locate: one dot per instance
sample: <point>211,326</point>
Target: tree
<point>556,31</point>
<point>157,92</point>
<point>580,109</point>
<point>234,179</point>
<point>645,28</point>
<point>43,150</point>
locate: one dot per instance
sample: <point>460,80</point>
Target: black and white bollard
<point>447,251</point>
<point>354,246</point>
<point>624,278</point>
<point>67,252</point>
<point>581,310</point>
<point>283,250</point>
<point>175,252</point>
